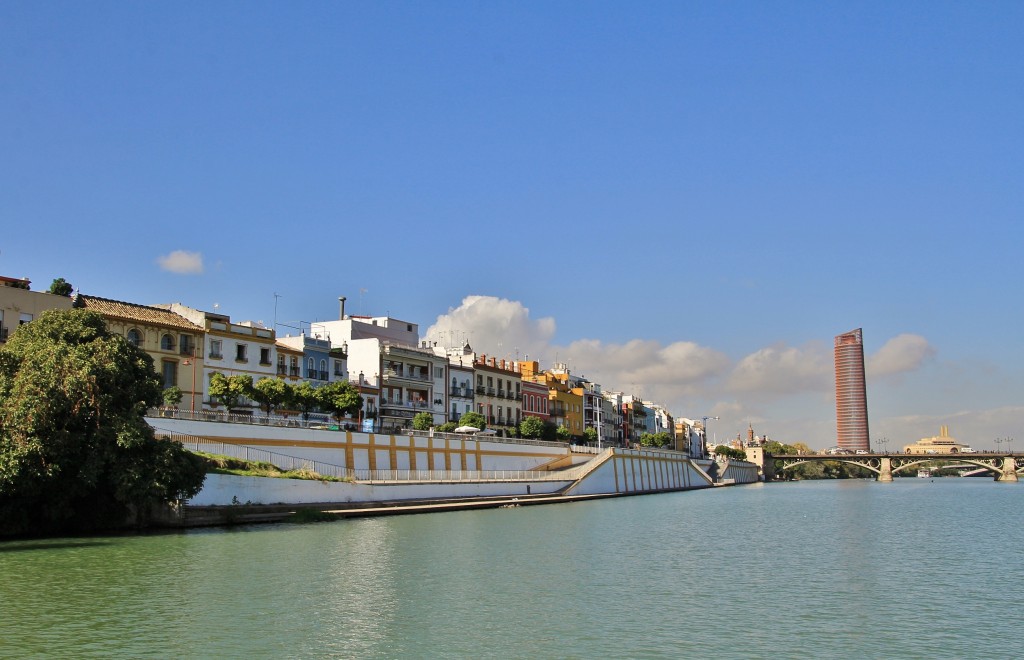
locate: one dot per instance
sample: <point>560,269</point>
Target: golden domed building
<point>939,444</point>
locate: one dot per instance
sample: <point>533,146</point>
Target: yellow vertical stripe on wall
<point>350,458</point>
<point>372,451</point>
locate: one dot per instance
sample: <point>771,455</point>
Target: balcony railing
<point>501,394</point>
<point>480,389</point>
<point>407,375</point>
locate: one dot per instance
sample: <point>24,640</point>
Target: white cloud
<point>493,326</point>
<point>901,354</point>
<point>783,370</point>
<point>182,262</point>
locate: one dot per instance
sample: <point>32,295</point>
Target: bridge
<point>1003,466</point>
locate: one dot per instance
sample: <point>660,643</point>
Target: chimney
<point>341,311</point>
<point>503,364</point>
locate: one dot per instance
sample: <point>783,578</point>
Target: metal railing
<point>282,462</point>
<point>287,463</point>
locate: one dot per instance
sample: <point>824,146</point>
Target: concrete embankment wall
<point>373,451</point>
<point>740,472</point>
<point>630,471</point>
<point>225,489</point>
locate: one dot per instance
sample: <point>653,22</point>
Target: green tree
<point>731,452</point>
<point>230,390</point>
<point>76,452</point>
<point>271,393</point>
<point>61,287</point>
<point>305,398</point>
<point>590,435</point>
<point>531,427</point>
<point>655,439</point>
<point>448,427</point>
<point>172,396</point>
<point>422,421</point>
<point>474,419</point>
<point>563,434</point>
<point>340,398</point>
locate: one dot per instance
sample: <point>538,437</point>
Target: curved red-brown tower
<point>851,393</point>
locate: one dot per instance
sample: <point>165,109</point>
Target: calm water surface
<point>854,569</point>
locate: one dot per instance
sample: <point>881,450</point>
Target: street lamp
<point>884,442</point>
<point>1008,441</point>
<point>192,363</point>
<point>704,421</point>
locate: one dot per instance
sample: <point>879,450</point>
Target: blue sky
<point>687,199</point>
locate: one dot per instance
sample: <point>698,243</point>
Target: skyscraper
<point>851,393</point>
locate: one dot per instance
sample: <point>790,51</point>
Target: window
<point>24,318</point>
<point>310,368</point>
<point>215,348</point>
<point>134,338</point>
<point>187,347</point>
<point>169,373</point>
<point>439,372</point>
<point>264,356</point>
<point>240,353</point>
<point>167,342</point>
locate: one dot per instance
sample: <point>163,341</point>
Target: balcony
<point>480,389</point>
<point>188,350</point>
<point>490,391</point>
<point>282,370</point>
<point>407,374</point>
<point>501,394</point>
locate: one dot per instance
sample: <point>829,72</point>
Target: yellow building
<point>938,444</point>
<point>19,305</point>
<point>565,404</point>
<point>174,343</point>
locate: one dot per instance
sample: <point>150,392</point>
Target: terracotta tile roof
<point>138,313</point>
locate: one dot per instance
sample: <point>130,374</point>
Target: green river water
<point>855,569</point>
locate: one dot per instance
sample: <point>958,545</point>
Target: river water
<point>842,569</point>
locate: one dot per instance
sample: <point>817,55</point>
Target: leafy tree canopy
<point>531,427</point>
<point>305,398</point>
<point>563,434</point>
<point>655,439</point>
<point>172,395</point>
<point>229,390</point>
<point>731,452</point>
<point>422,421</point>
<point>590,434</point>
<point>61,287</point>
<point>75,450</point>
<point>271,393</point>
<point>340,398</point>
<point>473,419</point>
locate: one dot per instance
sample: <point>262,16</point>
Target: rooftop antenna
<point>276,296</point>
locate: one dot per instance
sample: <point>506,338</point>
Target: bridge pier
<point>1009,472</point>
<point>885,470</point>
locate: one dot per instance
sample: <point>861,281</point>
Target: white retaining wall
<point>226,489</point>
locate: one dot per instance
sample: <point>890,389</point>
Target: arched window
<point>134,338</point>
<point>323,369</point>
<point>311,369</point>
<point>167,342</point>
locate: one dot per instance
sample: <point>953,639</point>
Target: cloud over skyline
<point>792,385</point>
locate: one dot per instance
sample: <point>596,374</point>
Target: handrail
<point>285,462</point>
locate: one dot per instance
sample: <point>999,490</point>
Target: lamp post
<point>883,442</point>
<point>704,421</point>
<point>1008,441</point>
<point>192,363</point>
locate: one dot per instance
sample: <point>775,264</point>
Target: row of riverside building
<point>397,374</point>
